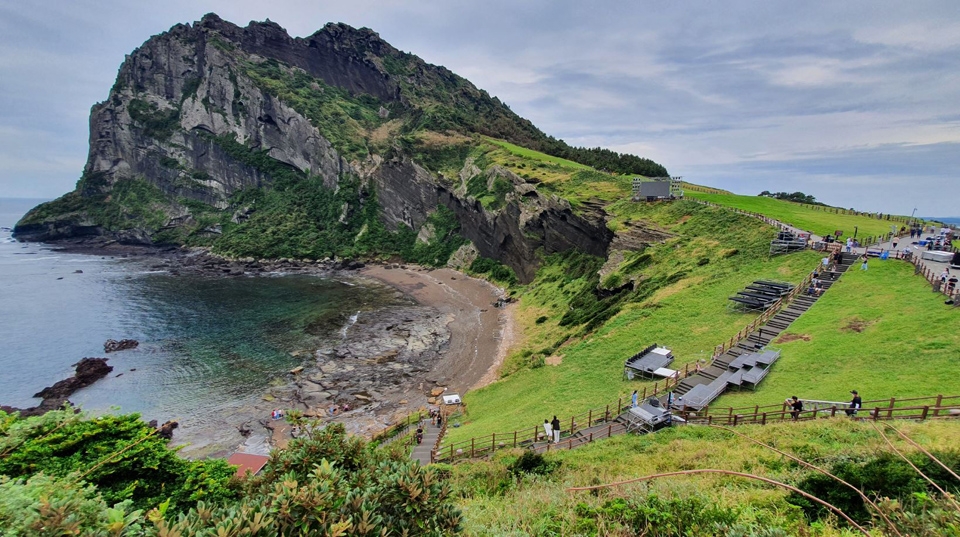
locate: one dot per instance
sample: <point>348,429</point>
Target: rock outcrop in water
<point>112,345</point>
<point>87,371</point>
<point>204,112</point>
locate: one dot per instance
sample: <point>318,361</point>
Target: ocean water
<point>210,347</point>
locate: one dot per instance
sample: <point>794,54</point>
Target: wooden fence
<point>915,408</point>
<point>765,316</point>
<point>933,278</point>
<point>485,445</point>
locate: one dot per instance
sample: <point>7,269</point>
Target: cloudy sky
<point>857,103</point>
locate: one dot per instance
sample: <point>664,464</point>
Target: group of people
<point>796,405</point>
<point>551,430</point>
<point>337,409</point>
<point>277,414</point>
<point>948,281</point>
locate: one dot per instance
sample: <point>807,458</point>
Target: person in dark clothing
<point>419,434</point>
<point>855,403</point>
<point>796,406</point>
<point>556,429</point>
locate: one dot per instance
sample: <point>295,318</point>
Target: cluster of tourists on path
<point>551,430</point>
<point>796,405</point>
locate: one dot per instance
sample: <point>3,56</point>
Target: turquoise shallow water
<point>209,347</point>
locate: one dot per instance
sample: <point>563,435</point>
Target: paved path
<point>422,451</point>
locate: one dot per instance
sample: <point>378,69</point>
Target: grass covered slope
<point>502,497</point>
<point>821,222</point>
<point>673,293</point>
<point>881,332</point>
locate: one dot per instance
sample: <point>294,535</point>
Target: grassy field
<point>530,154</point>
<point>572,181</point>
<point>495,503</point>
<point>820,222</point>
<point>680,301</point>
<point>880,332</point>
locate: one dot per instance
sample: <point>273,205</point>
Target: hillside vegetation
<point>820,220</point>
<point>524,495</point>
<point>576,336</point>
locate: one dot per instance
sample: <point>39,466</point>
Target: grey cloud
<point>824,96</point>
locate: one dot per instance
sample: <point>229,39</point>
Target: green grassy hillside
<point>880,332</point>
<point>819,220</point>
<point>504,497</point>
<point>678,298</point>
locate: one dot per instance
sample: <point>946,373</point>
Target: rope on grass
<point>923,475</point>
<point>865,498</point>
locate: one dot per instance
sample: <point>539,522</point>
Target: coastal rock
<point>87,371</point>
<point>112,345</point>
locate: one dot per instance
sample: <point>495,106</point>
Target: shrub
<point>531,462</point>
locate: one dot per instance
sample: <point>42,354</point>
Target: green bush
<point>883,476</point>
<point>495,269</point>
<point>531,462</point>
<point>120,455</point>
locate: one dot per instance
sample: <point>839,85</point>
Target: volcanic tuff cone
<point>337,144</point>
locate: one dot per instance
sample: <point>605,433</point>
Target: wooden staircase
<point>765,334</point>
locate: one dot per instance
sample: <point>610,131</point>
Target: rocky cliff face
<point>205,111</point>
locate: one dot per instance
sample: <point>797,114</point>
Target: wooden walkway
<point>761,337</point>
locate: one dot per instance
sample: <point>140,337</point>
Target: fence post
<point>606,415</point>
<point>590,419</point>
<point>763,419</point>
<point>923,415</point>
<point>876,414</point>
<point>736,418</point>
<point>573,425</point>
<point>493,442</point>
<point>833,411</point>
<point>936,411</point>
<point>472,450</point>
<point>890,412</point>
<point>591,437</point>
<point>514,438</point>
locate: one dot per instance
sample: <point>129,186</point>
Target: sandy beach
<point>477,345</point>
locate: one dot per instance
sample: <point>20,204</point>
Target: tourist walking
<point>855,404</point>
<point>944,276</point>
<point>849,244</point>
<point>633,399</point>
<point>863,265</point>
<point>548,430</point>
<point>556,430</point>
<point>796,406</point>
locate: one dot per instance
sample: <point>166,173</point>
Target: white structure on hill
<point>657,188</point>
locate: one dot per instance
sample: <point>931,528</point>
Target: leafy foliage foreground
<point>67,475</point>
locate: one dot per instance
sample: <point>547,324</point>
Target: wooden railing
<point>880,409</point>
<point>484,445</point>
<point>933,278</point>
<point>397,430</point>
<point>765,316</point>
